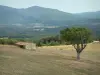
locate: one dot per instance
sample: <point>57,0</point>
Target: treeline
<point>56,40</point>
<point>13,41</point>
<point>7,41</point>
<point>51,41</point>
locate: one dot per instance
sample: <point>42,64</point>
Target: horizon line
<point>48,8</point>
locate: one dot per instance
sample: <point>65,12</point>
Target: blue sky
<point>72,6</point>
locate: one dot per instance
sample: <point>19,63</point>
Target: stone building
<point>26,45</point>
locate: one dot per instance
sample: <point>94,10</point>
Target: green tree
<point>78,37</point>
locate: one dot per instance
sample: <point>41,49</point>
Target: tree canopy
<point>78,37</point>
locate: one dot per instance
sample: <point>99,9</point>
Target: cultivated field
<point>55,60</point>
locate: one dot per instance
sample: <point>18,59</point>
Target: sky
<point>71,6</point>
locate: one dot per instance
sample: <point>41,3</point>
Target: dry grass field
<point>54,60</point>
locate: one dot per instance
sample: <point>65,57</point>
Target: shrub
<point>7,41</point>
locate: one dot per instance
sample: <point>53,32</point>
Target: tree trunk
<point>78,56</point>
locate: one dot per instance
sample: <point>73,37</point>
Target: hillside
<point>39,21</point>
<point>36,14</point>
<point>33,14</point>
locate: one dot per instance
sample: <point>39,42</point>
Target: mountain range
<point>40,20</point>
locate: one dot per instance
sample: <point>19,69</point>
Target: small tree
<point>78,37</point>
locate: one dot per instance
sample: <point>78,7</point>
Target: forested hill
<point>33,14</point>
<point>37,20</point>
<point>36,14</point>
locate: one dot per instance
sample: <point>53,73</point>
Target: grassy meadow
<point>49,60</point>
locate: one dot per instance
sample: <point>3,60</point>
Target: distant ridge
<point>37,14</point>
<point>21,22</point>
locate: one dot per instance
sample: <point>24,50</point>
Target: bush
<point>7,41</point>
<point>51,41</point>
